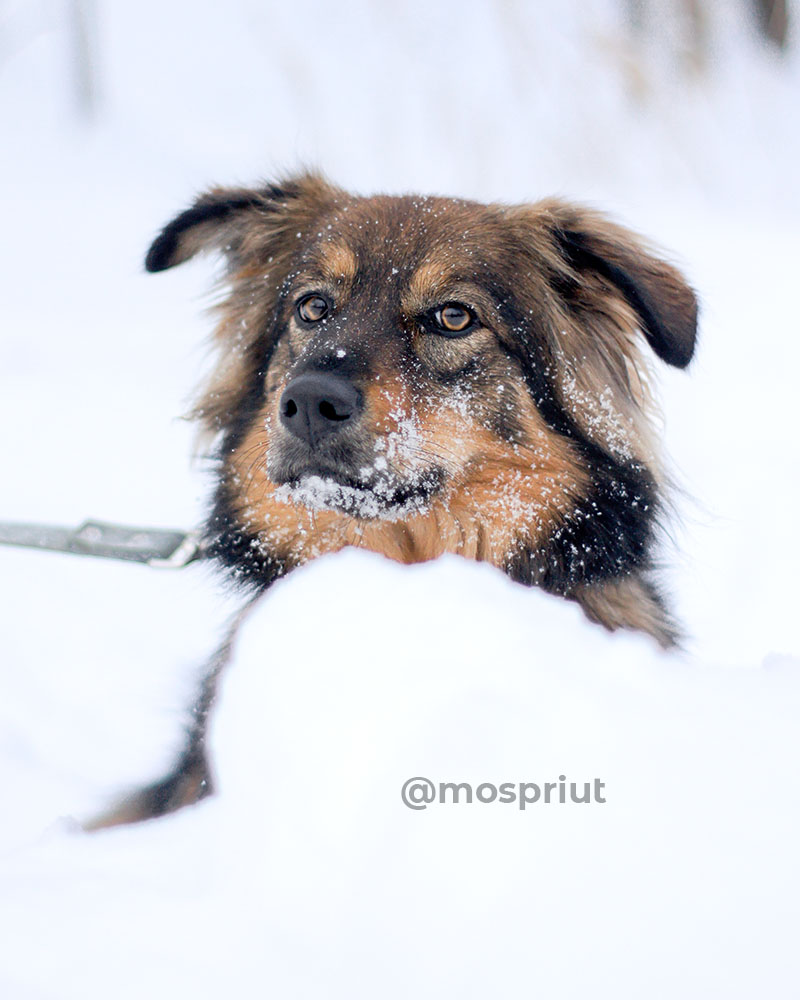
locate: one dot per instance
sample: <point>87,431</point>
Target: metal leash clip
<point>158,547</point>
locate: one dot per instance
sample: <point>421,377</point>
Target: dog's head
<point>421,375</point>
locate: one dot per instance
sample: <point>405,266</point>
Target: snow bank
<point>307,876</point>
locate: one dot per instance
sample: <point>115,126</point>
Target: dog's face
<point>381,395</point>
<point>424,375</point>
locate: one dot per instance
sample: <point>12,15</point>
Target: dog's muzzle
<point>328,458</point>
<point>316,406</point>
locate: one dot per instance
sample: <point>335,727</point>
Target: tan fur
<point>265,242</point>
<point>626,604</point>
<point>527,441</point>
<point>571,271</point>
<point>336,263</point>
<point>137,807</point>
<point>431,280</point>
<point>604,377</point>
<point>497,492</point>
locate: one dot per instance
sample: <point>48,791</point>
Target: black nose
<point>315,406</point>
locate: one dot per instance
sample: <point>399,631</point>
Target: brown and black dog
<point>422,375</point>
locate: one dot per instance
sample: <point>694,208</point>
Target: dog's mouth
<point>377,496</point>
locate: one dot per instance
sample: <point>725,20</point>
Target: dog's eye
<point>454,320</point>
<point>312,308</point>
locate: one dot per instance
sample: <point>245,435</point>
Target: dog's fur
<point>526,440</point>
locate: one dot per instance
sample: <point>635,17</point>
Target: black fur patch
<point>210,208</point>
<point>675,346</point>
<point>161,254</point>
<point>607,536</point>
<point>236,549</point>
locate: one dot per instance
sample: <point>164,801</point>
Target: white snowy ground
<point>307,876</point>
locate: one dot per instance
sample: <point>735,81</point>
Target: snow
<point>306,875</point>
<point>324,493</point>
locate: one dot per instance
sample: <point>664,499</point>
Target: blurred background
<point>611,99</point>
<point>681,118</point>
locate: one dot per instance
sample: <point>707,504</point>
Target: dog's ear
<point>204,226</point>
<point>218,218</point>
<point>665,305</point>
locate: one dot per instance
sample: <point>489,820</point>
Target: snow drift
<point>307,875</point>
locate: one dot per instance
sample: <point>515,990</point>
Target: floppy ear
<point>201,227</point>
<point>216,220</point>
<point>658,293</point>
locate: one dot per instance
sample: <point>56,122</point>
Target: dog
<point>425,375</point>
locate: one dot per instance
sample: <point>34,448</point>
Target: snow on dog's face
<point>424,375</point>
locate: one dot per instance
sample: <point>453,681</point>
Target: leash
<point>158,547</point>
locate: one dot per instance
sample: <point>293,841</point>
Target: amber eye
<point>454,319</point>
<point>312,309</point>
